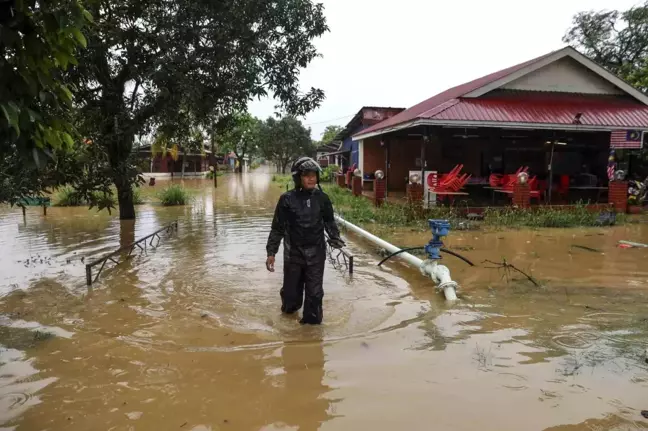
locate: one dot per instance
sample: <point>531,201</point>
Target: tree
<point>38,41</point>
<point>616,40</point>
<point>149,62</point>
<point>240,134</point>
<point>330,132</point>
<point>285,140</point>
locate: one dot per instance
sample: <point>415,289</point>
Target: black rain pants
<point>302,284</point>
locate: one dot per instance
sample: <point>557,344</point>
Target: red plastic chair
<point>495,180</point>
<point>563,187</point>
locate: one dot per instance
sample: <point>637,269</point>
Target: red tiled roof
<point>434,102</point>
<point>545,109</point>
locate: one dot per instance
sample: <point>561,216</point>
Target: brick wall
<point>357,186</point>
<point>521,195</point>
<point>379,191</point>
<point>618,195</point>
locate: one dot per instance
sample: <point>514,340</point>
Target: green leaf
<point>67,93</point>
<point>61,59</point>
<point>87,15</point>
<point>68,139</point>
<point>79,37</point>
<point>12,113</point>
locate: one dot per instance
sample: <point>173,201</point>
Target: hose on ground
<point>445,250</point>
<point>402,250</point>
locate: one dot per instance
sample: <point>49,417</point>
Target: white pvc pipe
<point>440,274</point>
<point>412,260</point>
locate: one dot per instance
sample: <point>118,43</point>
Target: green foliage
<point>617,40</point>
<point>329,172</point>
<point>137,196</point>
<point>240,134</point>
<point>544,216</point>
<point>174,195</point>
<point>68,196</point>
<point>171,66</point>
<point>38,40</point>
<point>330,132</point>
<point>282,180</point>
<point>285,140</point>
<point>210,175</point>
<point>362,211</point>
<point>254,166</point>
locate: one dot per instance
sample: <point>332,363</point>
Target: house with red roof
<point>513,118</point>
<point>343,150</point>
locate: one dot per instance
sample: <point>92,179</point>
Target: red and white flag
<point>626,139</point>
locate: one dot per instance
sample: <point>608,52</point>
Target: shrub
<point>210,175</point>
<point>174,195</point>
<point>67,196</point>
<point>328,173</point>
<point>137,196</point>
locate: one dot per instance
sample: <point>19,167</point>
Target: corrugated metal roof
<point>545,110</point>
<point>432,103</point>
<point>524,107</point>
<point>357,119</point>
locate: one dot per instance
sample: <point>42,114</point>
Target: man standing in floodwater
<point>300,218</point>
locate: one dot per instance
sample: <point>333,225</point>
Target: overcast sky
<point>399,53</point>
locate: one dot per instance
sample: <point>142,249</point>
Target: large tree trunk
<point>183,165</point>
<point>125,199</point>
<point>118,153</point>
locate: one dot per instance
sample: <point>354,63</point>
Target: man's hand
<point>270,261</point>
<point>336,243</point>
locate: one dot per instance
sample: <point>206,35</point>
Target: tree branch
<point>134,95</point>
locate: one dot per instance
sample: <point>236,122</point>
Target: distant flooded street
<point>189,335</point>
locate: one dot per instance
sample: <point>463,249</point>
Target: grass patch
<point>362,211</point>
<point>174,195</point>
<point>282,180</point>
<point>210,174</point>
<point>389,216</point>
<point>68,196</point>
<point>551,217</point>
<point>137,196</point>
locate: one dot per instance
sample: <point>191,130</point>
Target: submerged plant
<point>174,195</point>
<point>67,196</point>
<point>544,216</point>
<point>137,196</point>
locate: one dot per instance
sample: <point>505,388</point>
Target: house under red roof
<point>547,92</point>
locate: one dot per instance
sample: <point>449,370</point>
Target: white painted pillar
<point>361,156</point>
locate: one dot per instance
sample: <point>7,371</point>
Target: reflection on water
<point>189,336</point>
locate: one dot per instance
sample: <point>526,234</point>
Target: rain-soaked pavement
<point>189,336</point>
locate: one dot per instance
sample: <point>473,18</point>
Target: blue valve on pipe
<point>440,229</point>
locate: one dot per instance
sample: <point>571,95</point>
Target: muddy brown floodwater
<point>189,336</point>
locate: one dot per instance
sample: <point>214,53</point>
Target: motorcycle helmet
<point>302,165</point>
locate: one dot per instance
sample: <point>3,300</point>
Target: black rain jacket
<point>300,219</point>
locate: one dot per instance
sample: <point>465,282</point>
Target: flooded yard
<point>189,336</point>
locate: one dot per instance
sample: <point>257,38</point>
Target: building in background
<point>560,109</point>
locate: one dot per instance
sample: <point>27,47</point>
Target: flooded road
<point>189,336</point>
